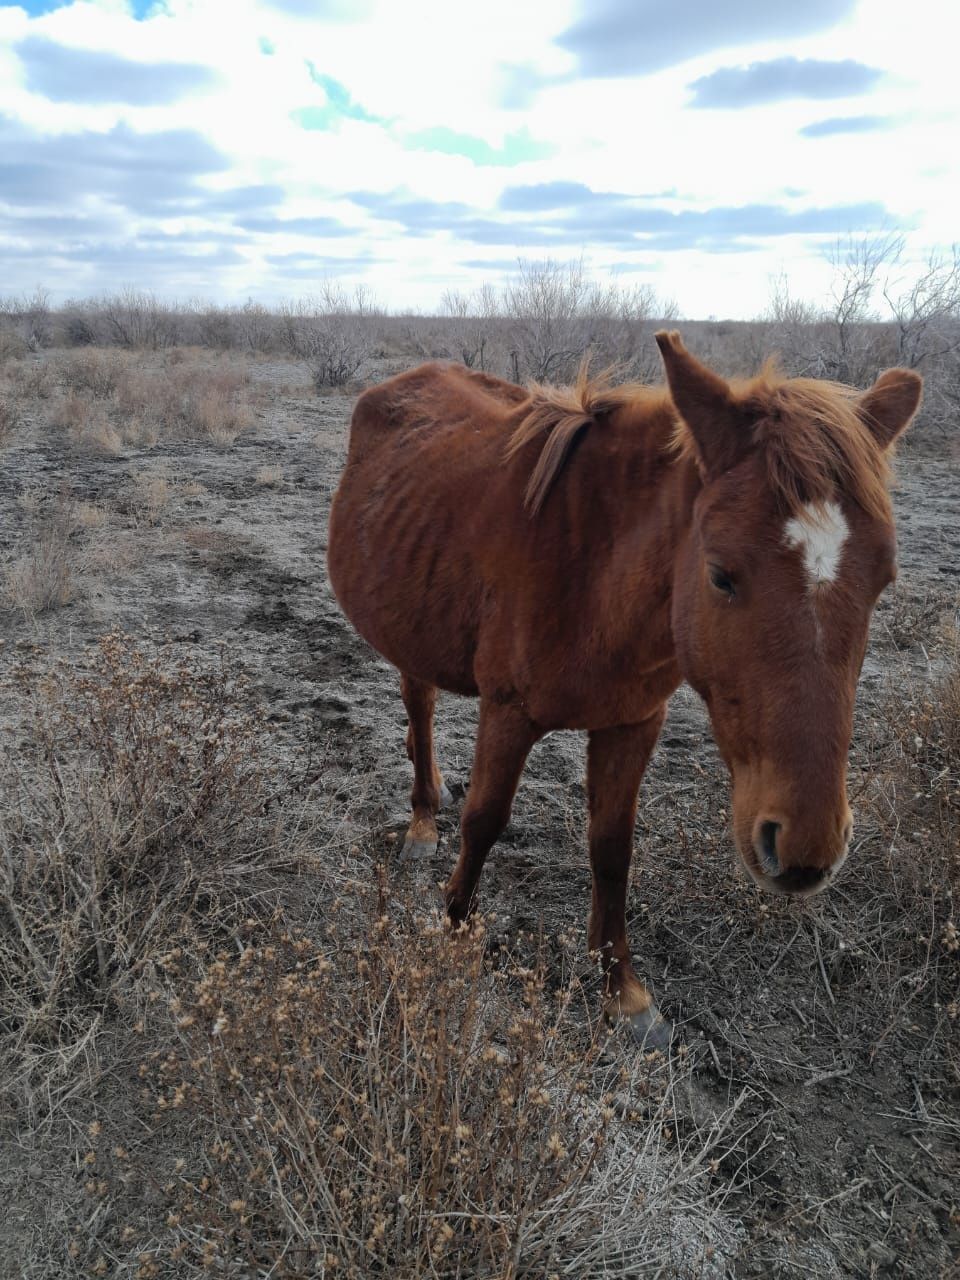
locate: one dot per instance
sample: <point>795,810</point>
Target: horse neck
<point>646,493</point>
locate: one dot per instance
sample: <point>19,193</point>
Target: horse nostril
<point>768,847</point>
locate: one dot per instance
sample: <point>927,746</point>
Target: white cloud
<point>431,65</point>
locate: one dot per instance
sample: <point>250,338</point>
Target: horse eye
<point>722,581</point>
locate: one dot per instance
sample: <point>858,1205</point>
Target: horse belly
<point>400,569</point>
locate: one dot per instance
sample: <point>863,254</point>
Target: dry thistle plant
<point>395,1105</point>
<point>136,799</point>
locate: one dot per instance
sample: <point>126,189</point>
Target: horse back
<point>429,397</point>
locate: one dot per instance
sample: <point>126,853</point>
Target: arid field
<point>237,1038</point>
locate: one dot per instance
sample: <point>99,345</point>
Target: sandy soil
<point>854,1168</point>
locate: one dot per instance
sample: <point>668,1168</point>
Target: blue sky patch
<point>139,9</point>
<point>340,105</point>
<point>516,148</point>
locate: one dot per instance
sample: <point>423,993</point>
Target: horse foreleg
<point>429,793</point>
<point>616,760</point>
<point>504,738</point>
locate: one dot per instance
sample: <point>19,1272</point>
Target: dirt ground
<point>832,1012</point>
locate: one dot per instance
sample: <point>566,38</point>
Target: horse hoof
<point>650,1030</point>
<point>446,796</point>
<point>415,848</point>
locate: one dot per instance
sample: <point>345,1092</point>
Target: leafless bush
<point>544,321</point>
<point>256,327</point>
<point>394,1105</point>
<point>96,373</point>
<point>472,325</point>
<point>134,318</point>
<point>12,345</point>
<point>876,317</point>
<point>136,796</point>
<point>331,334</point>
<point>30,318</point>
<point>32,380</point>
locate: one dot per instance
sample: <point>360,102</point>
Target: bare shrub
<point>96,373</point>
<point>30,317</point>
<point>12,345</point>
<point>138,804</point>
<point>472,324</point>
<point>134,318</point>
<point>331,334</point>
<point>394,1105</point>
<point>257,327</point>
<point>72,413</point>
<point>32,380</point>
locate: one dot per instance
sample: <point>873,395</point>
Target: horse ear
<point>704,401</point>
<point>888,407</point>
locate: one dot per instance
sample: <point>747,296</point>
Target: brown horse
<point>571,556</point>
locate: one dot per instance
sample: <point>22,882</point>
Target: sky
<point>233,149</point>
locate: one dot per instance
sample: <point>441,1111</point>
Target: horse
<point>571,556</point>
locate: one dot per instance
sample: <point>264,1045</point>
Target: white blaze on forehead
<point>820,533</point>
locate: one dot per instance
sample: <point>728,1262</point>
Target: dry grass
<point>152,492</point>
<point>269,477</point>
<point>9,418</point>
<point>110,399</point>
<point>44,577</point>
<point>192,400</point>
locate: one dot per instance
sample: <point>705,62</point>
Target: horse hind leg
<point>429,792</point>
<point>504,738</point>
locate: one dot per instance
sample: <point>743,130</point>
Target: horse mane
<point>808,430</point>
<point>813,440</point>
<point>562,414</point>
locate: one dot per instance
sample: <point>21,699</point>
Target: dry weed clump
<point>9,418</point>
<point>136,798</point>
<point>188,400</point>
<point>110,399</point>
<point>899,923</point>
<point>269,477</point>
<point>44,577</point>
<point>94,373</point>
<point>32,380</point>
<point>398,1107</point>
<point>152,493</point>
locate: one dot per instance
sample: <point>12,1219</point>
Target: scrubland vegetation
<point>236,1037</point>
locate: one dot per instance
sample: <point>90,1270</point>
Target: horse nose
<point>800,879</point>
<point>765,845</point>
